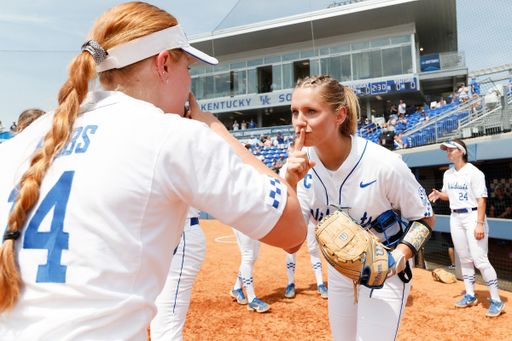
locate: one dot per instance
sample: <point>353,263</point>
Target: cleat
<point>467,301</point>
<point>238,295</point>
<point>322,290</point>
<point>258,306</point>
<point>450,267</point>
<point>495,309</point>
<point>290,291</point>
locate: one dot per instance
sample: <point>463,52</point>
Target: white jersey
<point>193,212</point>
<point>96,249</point>
<point>371,181</point>
<point>464,187</point>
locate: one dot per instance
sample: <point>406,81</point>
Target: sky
<point>38,38</point>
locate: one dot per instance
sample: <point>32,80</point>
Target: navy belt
<point>464,210</point>
<point>194,221</point>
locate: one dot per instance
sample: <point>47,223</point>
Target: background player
<point>93,268</point>
<point>464,187</point>
<point>174,300</point>
<point>27,117</point>
<point>249,248</point>
<point>316,263</point>
<point>337,167</point>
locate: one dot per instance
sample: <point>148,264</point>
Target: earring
<point>165,75</point>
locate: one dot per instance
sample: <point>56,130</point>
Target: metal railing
<point>487,122</point>
<point>468,119</point>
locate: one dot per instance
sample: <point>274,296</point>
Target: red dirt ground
<point>429,315</point>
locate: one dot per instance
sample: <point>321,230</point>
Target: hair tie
<point>95,49</point>
<point>11,235</point>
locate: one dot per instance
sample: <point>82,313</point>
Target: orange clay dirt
<point>429,314</point>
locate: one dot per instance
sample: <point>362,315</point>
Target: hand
<point>479,231</point>
<point>434,195</point>
<point>399,262</point>
<point>298,162</point>
<point>195,112</point>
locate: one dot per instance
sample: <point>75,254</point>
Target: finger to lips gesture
<point>195,112</point>
<point>298,162</point>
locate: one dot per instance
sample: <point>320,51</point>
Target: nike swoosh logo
<point>368,184</point>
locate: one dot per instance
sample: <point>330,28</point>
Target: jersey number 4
<point>56,239</point>
<point>463,197</point>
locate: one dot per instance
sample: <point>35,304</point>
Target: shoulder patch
<point>273,198</point>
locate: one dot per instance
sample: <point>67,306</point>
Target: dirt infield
<point>430,314</point>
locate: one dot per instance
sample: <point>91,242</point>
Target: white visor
<point>151,45</point>
<point>451,144</point>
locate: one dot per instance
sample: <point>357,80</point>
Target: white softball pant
<point>469,250</point>
<point>174,300</point>
<point>377,314</point>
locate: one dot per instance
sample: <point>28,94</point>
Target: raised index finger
<point>192,102</point>
<point>300,140</point>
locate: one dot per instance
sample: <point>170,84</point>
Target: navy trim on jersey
<point>326,195</point>
<point>401,308</point>
<point>181,272</point>
<point>339,199</point>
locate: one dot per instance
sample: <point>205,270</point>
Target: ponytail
<point>72,93</point>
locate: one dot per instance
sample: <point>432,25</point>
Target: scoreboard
<point>384,87</point>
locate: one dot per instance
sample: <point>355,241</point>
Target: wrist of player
<point>396,262</point>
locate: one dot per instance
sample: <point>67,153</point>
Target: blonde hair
<point>116,26</point>
<point>336,96</point>
<point>27,117</point>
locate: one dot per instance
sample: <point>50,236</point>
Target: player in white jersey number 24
<point>464,186</point>
<point>331,165</point>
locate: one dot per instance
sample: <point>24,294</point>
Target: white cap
<point>151,45</point>
<point>452,144</point>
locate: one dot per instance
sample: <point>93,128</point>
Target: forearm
<point>481,210</point>
<point>405,249</point>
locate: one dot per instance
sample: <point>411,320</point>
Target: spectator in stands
<point>281,161</point>
<point>268,142</point>
<point>391,123</point>
<point>442,102</point>
<point>475,87</point>
<point>387,138</point>
<point>275,166</point>
<point>279,141</point>
<point>401,107</point>
<point>501,204</point>
<point>261,141</point>
<point>412,110</point>
<point>14,127</point>
<point>463,93</point>
<point>405,143</point>
<point>401,123</point>
<point>236,126</point>
<point>260,157</point>
<point>252,140</point>
<point>244,125</point>
<point>27,117</point>
<point>1,126</point>
<point>423,118</point>
<point>291,148</point>
<point>290,138</point>
<point>252,124</point>
<point>425,106</point>
<point>393,112</point>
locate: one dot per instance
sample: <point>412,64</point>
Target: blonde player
<point>174,300</point>
<point>464,186</point>
<point>337,167</point>
<point>93,215</point>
